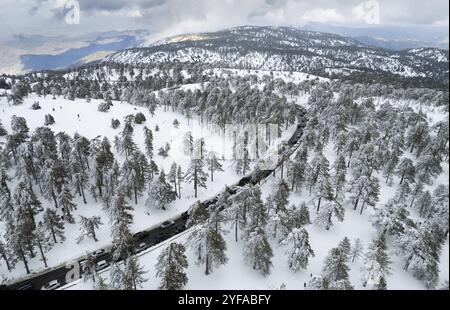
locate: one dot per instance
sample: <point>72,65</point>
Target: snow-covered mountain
<point>289,49</point>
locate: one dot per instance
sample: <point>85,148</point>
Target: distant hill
<point>290,49</point>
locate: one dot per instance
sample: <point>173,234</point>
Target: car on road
<point>101,265</point>
<point>52,285</point>
<point>140,235</point>
<point>28,286</point>
<point>142,246</point>
<point>167,224</point>
<point>99,253</point>
<point>181,228</point>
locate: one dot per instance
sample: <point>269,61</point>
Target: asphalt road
<point>159,234</point>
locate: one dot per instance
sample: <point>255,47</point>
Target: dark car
<point>99,253</point>
<point>140,235</point>
<point>180,228</point>
<point>167,224</point>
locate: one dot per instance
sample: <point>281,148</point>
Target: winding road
<point>149,238</point>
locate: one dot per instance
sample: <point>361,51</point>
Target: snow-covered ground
<point>237,275</point>
<point>231,275</point>
<point>91,124</point>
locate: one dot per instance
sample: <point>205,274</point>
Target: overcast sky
<point>170,17</point>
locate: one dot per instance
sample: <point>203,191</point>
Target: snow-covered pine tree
<point>335,271</point>
<point>299,217</point>
<point>121,219</point>
<point>148,142</point>
<point>65,200</point>
<point>7,256</point>
<point>188,144</point>
<point>213,164</point>
<point>319,180</point>
<point>172,177</point>
<point>43,243</point>
<point>54,224</point>
<point>258,252</point>
<point>198,214</point>
<point>171,267</point>
<point>88,225</point>
<point>376,262</point>
<point>160,193</point>
<point>298,249</point>
<point>339,176</point>
<point>392,218</point>
<point>196,175</point>
<point>329,210</point>
<point>133,274</point>
<point>421,248</point>
<point>364,191</point>
<point>428,166</point>
<point>279,217</point>
<point>357,250</point>
<point>405,170</point>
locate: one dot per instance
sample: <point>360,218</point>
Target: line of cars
<point>103,258</point>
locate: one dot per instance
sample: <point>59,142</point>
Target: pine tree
<point>198,214</point>
<point>423,203</point>
<point>213,164</point>
<point>3,131</point>
<point>258,252</point>
<point>171,266</point>
<point>356,250</point>
<point>364,189</point>
<point>416,191</point>
<point>392,218</point>
<point>406,170</point>
<point>339,176</point>
<point>420,248</point>
<point>377,262</point>
<point>207,240</point>
<point>428,167</point>
<point>247,198</point>
<point>54,224</point>
<point>129,276</point>
<point>88,269</point>
<point>65,200</point>
<point>299,217</point>
<point>121,219</point>
<point>7,256</point>
<point>172,176</point>
<point>180,178</point>
<point>389,168</point>
<point>320,179</point>
<point>42,240</point>
<point>88,227</point>
<point>188,144</point>
<point>278,214</point>
<point>297,169</point>
<point>335,270</point>
<point>329,210</point>
<point>196,175</point>
<point>148,141</point>
<point>160,193</point>
<point>298,249</point>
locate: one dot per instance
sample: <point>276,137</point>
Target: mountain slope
<point>289,49</point>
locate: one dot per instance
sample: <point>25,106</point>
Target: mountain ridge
<point>289,49</point>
